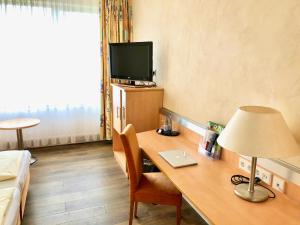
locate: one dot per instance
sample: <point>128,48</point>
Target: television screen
<point>131,61</point>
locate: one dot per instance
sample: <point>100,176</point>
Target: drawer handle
<point>118,109</point>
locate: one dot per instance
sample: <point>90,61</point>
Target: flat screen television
<point>131,61</point>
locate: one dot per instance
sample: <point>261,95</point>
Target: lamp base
<point>259,195</point>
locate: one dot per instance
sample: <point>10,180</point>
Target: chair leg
<point>135,209</point>
<point>178,214</point>
<point>131,212</point>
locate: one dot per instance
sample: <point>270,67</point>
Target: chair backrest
<point>133,155</point>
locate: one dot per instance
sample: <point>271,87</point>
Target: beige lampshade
<point>258,132</point>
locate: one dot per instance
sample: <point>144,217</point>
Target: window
<point>50,69</point>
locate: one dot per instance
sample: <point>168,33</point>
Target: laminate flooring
<point>82,184</point>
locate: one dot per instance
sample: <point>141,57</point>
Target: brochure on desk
<point>209,145</point>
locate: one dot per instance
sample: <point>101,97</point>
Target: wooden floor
<point>83,184</point>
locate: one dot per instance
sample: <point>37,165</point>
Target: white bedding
<point>9,164</point>
<point>19,181</point>
<point>13,210</point>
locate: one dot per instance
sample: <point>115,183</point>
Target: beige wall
<point>212,56</point>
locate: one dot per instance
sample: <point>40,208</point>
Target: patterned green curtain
<point>116,26</point>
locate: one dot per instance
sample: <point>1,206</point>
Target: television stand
<point>135,84</point>
<point>132,83</point>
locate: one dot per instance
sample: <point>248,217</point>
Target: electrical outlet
<point>248,167</point>
<point>264,175</point>
<point>257,172</point>
<point>278,184</point>
<point>244,165</point>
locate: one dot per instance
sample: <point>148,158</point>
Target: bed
<point>12,215</point>
<point>15,210</point>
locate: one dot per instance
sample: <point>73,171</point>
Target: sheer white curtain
<point>50,69</point>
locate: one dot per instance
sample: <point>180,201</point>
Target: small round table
<point>19,124</point>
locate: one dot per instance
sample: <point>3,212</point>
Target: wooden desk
<point>207,186</point>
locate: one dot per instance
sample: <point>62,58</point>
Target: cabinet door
<point>142,109</point>
<point>117,109</point>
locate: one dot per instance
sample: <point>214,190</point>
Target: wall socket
<point>264,175</point>
<point>244,165</point>
<point>278,184</point>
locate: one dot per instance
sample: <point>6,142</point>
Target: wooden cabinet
<point>137,106</point>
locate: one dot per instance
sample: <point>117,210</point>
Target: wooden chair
<point>146,187</point>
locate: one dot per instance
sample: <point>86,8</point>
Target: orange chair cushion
<point>157,188</point>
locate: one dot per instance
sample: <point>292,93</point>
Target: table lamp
<point>257,131</point>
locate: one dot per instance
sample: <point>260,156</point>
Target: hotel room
<point>149,112</point>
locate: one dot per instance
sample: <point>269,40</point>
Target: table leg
<point>21,145</point>
<point>20,139</point>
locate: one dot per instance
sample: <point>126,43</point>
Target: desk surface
<point>207,186</point>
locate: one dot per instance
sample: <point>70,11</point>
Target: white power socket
<point>278,184</point>
<point>244,165</point>
<point>264,175</point>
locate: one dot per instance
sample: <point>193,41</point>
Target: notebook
<point>178,158</point>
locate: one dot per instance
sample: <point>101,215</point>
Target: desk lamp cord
<point>240,179</point>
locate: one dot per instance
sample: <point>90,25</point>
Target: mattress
<point>19,181</point>
<point>13,211</point>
